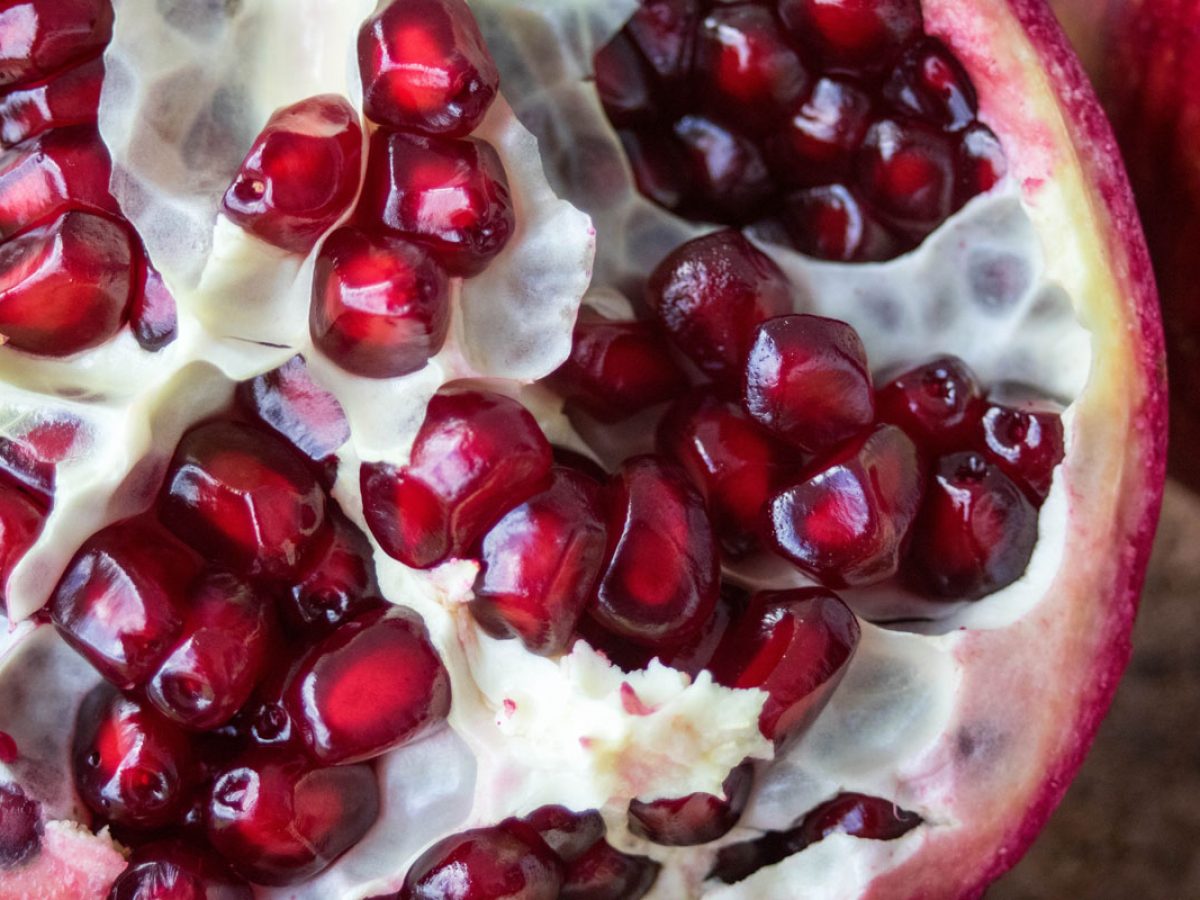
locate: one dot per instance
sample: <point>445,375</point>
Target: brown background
<point>1130,824</point>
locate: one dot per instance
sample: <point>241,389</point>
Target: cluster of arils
<point>838,127</point>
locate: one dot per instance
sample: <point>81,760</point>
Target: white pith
<point>905,698</point>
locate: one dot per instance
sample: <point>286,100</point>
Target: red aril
<point>29,456</point>
<point>696,818</point>
<point>380,306</point>
<point>831,222</point>
<point>623,81</point>
<point>20,826</point>
<point>937,404</point>
<point>661,170</point>
<point>728,174</point>
<point>38,37</point>
<point>664,32</point>
<point>929,84</point>
<point>69,98</point>
<point>21,520</point>
<point>175,870</point>
<point>605,873</point>
<point>153,316</point>
<point>819,139</point>
<point>64,167</point>
<point>852,32</point>
<point>338,586</point>
<point>569,834</point>
<point>301,174</point>
<point>1023,436</point>
<point>906,171</point>
<point>981,163</point>
<point>505,860</point>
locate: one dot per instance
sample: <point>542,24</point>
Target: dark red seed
<point>38,37</point>
<point>1023,435</point>
<point>795,645</point>
<point>301,174</point>
<point>243,498</point>
<point>694,819</point>
<point>539,564</point>
<point>975,534</point>
<point>808,381</point>
<point>449,195</point>
<point>153,315</point>
<point>858,815</point>
<point>617,368</point>
<point>938,404</point>
<point>425,67</point>
<point>132,767</point>
<point>831,223</point>
<point>729,177</point>
<point>175,870</point>
<point>380,306</point>
<point>21,521</point>
<point>981,163</point>
<point>374,684</point>
<point>854,33</point>
<point>477,455</point>
<point>20,826</point>
<point>69,98</point>
<point>504,861</point>
<point>711,293</point>
<point>846,521</point>
<point>623,83</point>
<point>690,656</point>
<point>569,834</point>
<point>664,31</point>
<point>64,286</point>
<point>660,168</point>
<point>584,465</point>
<point>661,577</point>
<point>9,752</point>
<point>819,139</point>
<point>280,821</point>
<point>928,83</point>
<point>122,601</point>
<point>604,873</point>
<point>907,172</point>
<point>339,585</point>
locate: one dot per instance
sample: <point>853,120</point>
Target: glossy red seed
<point>660,168</point>
<point>907,172</point>
<point>853,33</point>
<point>661,575</point>
<point>846,520</point>
<point>496,863</point>
<point>153,315</point>
<point>604,873</point>
<point>1023,435</point>
<point>68,98</point>
<point>569,834</point>
<point>380,306</point>
<point>243,498</point>
<point>425,67</point>
<point>339,585</point>
<point>711,293</point>
<point>981,163</point>
<point>476,455</point>
<point>175,870</point>
<point>227,633</point>
<point>449,195</point>
<point>830,222</point>
<point>858,815</point>
<point>930,84</point>
<point>694,819</point>
<point>664,32</point>
<point>20,826</point>
<point>21,521</point>
<point>938,404</point>
<point>38,37</point>
<point>819,138</point>
<point>277,820</point>
<point>64,286</point>
<point>623,82</point>
<point>795,645</point>
<point>729,178</point>
<point>373,684</point>
<point>617,368</point>
<point>975,534</point>
<point>808,381</point>
<point>132,767</point>
<point>579,462</point>
<point>301,174</point>
<point>539,564</point>
<point>122,601</point>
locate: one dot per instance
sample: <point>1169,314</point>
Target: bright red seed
<point>853,33</point>
<point>1023,435</point>
<point>69,98</point>
<point>21,521</point>
<point>907,172</point>
<point>694,819</point>
<point>938,404</point>
<point>508,860</point>
<point>175,870</point>
<point>604,873</point>
<point>339,584</point>
<point>38,37</point>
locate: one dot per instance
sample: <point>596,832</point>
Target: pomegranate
<point>346,557</point>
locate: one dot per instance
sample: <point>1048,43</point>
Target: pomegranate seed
<point>301,174</point>
<point>174,870</point>
<point>70,98</point>
<point>928,83</point>
<point>694,819</point>
<point>845,522</point>
<point>604,873</point>
<point>152,313</point>
<point>449,195</point>
<point>1024,437</point>
<point>132,767</point>
<point>937,404</point>
<point>279,821</point>
<point>375,683</point>
<point>425,67</point>
<point>569,834</point>
<point>380,306</point>
<point>735,463</point>
<point>29,460</point>
<point>265,721</point>
<point>664,32</point>
<point>659,166</point>
<point>578,462</point>
<point>728,174</point>
<point>21,521</point>
<point>121,602</point>
<point>64,286</point>
<point>20,826</point>
<point>981,163</point>
<point>975,534</point>
<point>9,753</point>
<point>821,136</point>
<point>661,576</point>
<point>617,369</point>
<point>221,654</point>
<point>623,83</point>
<point>41,176</point>
<point>853,32</point>
<point>243,498</point>
<point>540,563</point>
<point>711,293</point>
<point>830,222</point>
<point>38,37</point>
<point>339,586</point>
<point>907,172</point>
<point>749,69</point>
<point>860,816</point>
<point>476,455</point>
<point>795,645</point>
<point>807,381</point>
<point>496,863</point>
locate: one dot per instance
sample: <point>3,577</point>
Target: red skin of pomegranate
<point>69,98</point>
<point>175,870</point>
<point>539,564</point>
<point>569,834</point>
<point>277,820</point>
<point>852,32</point>
<point>38,37</point>
<point>604,873</point>
<point>374,684</point>
<point>152,313</point>
<point>20,826</point>
<point>425,67</point>
<point>380,306</point>
<point>505,860</point>
<point>21,521</point>
<point>937,404</point>
<point>340,584</point>
<point>795,645</point>
<point>694,819</point>
<point>449,195</point>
